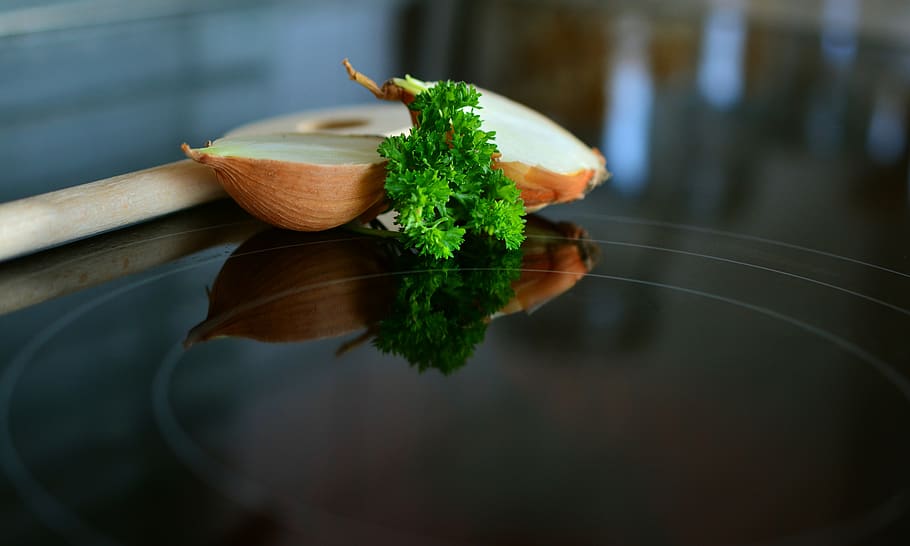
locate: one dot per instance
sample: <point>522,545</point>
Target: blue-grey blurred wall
<point>93,88</point>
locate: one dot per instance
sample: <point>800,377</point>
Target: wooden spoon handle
<point>45,275</point>
<point>73,213</point>
<point>47,220</point>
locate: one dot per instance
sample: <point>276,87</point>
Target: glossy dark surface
<point>735,368</point>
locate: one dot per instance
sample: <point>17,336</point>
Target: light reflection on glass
<point>826,113</point>
<point>887,134</point>
<point>720,69</point>
<point>839,20</point>
<point>628,124</point>
<point>823,125</point>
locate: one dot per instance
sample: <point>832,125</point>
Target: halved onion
<point>316,181</point>
<point>299,181</point>
<point>547,163</point>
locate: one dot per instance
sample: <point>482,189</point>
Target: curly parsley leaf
<point>442,307</point>
<point>441,179</point>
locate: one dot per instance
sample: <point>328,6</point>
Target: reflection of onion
<point>282,286</point>
<point>285,286</point>
<point>554,258</point>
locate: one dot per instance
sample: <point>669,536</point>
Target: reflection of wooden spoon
<point>33,279</point>
<point>72,213</point>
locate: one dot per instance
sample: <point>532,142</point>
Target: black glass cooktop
<point>710,349</point>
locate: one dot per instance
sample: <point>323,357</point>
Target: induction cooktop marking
<point>885,369</point>
<point>239,488</point>
<point>53,513</point>
<point>60,519</point>
<point>221,478</point>
<point>854,530</point>
<point>242,489</point>
<point>743,236</point>
<point>753,266</point>
<point>308,243</point>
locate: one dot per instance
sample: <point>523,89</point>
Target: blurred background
<point>755,145</point>
<point>93,88</point>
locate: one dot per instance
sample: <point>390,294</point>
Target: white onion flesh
<point>527,136</point>
<point>312,148</point>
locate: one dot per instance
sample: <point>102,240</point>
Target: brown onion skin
<point>298,196</point>
<point>540,187</point>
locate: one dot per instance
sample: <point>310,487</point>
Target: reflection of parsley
<point>442,308</point>
<point>441,179</point>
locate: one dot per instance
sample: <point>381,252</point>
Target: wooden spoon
<point>47,220</point>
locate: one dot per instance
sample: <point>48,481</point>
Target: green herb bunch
<point>441,180</point>
<point>442,307</point>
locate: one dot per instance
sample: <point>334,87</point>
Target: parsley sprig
<point>441,179</point>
